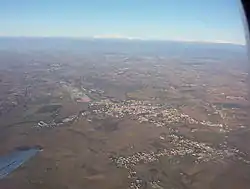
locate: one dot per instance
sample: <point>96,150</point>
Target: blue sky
<point>195,20</point>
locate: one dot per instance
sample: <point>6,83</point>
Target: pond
<point>229,105</point>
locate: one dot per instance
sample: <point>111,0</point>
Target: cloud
<point>116,36</point>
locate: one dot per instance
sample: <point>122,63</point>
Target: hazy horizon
<point>123,38</point>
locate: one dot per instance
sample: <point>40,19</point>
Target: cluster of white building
<point>181,147</point>
<point>144,111</point>
<point>51,124</point>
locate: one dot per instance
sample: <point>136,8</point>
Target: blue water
<point>12,161</point>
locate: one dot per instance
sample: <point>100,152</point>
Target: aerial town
<point>121,120</point>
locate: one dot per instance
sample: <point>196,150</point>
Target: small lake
<point>229,105</point>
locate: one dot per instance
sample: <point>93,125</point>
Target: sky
<point>182,20</point>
